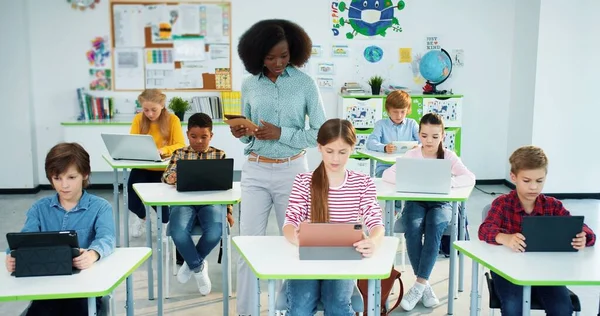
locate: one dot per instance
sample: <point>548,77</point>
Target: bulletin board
<point>173,46</point>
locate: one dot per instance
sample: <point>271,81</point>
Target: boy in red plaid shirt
<point>502,226</point>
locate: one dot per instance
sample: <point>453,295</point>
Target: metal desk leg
<point>377,296</point>
<point>149,245</point>
<point>452,277</point>
<point>113,307</point>
<point>257,311</point>
<point>389,218</point>
<point>371,167</point>
<point>526,300</point>
<point>474,290</point>
<point>126,208</point>
<point>225,260</point>
<point>271,298</point>
<point>461,236</point>
<point>92,306</point>
<point>116,213</point>
<point>159,257</point>
<point>129,300</point>
<point>371,298</point>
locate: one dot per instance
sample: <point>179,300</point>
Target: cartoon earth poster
<point>368,17</point>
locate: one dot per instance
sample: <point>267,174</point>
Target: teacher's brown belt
<point>255,157</point>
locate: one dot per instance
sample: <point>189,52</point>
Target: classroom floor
<point>185,299</point>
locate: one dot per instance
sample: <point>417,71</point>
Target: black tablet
<point>42,239</point>
<point>551,233</point>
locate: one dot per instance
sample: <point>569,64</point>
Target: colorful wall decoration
<point>365,19</point>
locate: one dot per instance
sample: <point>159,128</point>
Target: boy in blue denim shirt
<point>395,128</point>
<point>71,208</point>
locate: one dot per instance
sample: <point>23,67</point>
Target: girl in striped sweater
<point>331,194</point>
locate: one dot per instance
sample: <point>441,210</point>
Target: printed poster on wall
<point>432,42</point>
<point>365,19</point>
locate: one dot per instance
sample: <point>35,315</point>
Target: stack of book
<point>352,88</point>
<point>208,105</point>
<point>94,108</point>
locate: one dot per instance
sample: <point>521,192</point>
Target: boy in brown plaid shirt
<point>184,217</point>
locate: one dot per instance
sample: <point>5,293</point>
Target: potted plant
<point>375,83</point>
<point>179,106</point>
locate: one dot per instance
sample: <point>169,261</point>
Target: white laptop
<point>431,176</point>
<point>132,147</point>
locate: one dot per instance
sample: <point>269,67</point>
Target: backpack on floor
<point>445,244</point>
<point>386,288</point>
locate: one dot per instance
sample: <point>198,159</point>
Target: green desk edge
<point>521,282</point>
<point>361,155</point>
<point>416,95</point>
<point>153,166</point>
<point>309,276</point>
<point>193,202</point>
<point>78,295</point>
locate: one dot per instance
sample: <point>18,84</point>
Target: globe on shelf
<point>435,67</point>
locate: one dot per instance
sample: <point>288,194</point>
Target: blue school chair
<point>494,302</point>
<point>281,303</point>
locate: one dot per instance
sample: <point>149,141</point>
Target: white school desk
<point>531,268</point>
<point>274,258</point>
<point>164,195</point>
<point>375,156</point>
<point>99,280</point>
<point>387,192</point>
<point>124,165</point>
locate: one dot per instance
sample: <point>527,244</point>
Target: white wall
<point>523,76</point>
<point>59,66</point>
<point>18,160</point>
<point>565,121</point>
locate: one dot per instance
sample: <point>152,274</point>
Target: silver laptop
<point>432,176</point>
<point>132,147</point>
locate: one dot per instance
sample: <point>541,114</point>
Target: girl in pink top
<point>331,194</point>
<point>428,219</point>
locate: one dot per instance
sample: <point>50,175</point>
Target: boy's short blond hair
<point>398,99</point>
<point>528,158</point>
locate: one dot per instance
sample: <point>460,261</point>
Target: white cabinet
<point>363,112</point>
<point>361,165</point>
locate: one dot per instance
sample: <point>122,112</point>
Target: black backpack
<point>445,244</point>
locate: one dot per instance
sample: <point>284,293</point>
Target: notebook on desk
<point>550,233</point>
<point>432,176</point>
<point>204,174</point>
<point>132,147</point>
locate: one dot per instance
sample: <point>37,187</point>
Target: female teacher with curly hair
<point>278,98</point>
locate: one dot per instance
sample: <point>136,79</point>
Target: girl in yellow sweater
<point>165,129</point>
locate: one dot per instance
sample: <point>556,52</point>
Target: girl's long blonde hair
<point>155,96</point>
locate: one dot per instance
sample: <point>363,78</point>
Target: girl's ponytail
<point>319,192</point>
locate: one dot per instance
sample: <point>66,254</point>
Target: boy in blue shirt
<point>395,128</point>
<point>71,208</point>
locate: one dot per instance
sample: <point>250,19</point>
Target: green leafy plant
<point>179,105</point>
<point>375,83</point>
